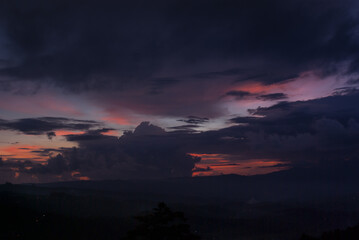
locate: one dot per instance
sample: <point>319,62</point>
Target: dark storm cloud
<point>182,127</point>
<point>353,81</point>
<point>19,164</point>
<point>146,129</point>
<point>273,96</point>
<point>147,152</point>
<point>50,135</point>
<point>55,165</point>
<point>45,152</point>
<point>194,120</point>
<point>302,117</point>
<point>224,73</point>
<point>159,84</point>
<point>89,135</point>
<point>311,131</point>
<point>199,169</point>
<point>244,119</point>
<point>341,108</point>
<point>239,94</point>
<point>96,45</point>
<point>302,132</point>
<point>345,91</point>
<point>322,131</point>
<point>46,125</point>
<point>269,76</point>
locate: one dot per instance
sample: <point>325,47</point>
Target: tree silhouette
<point>351,233</point>
<point>161,224</point>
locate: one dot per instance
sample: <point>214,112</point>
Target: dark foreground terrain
<point>274,206</point>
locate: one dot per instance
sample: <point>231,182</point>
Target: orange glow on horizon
<point>228,164</point>
<point>22,151</point>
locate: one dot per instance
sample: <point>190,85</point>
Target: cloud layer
<point>113,44</point>
<point>305,133</point>
<point>37,126</point>
<point>217,77</point>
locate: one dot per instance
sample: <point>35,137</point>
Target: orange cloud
<point>64,132</point>
<point>77,176</point>
<point>23,151</point>
<point>111,133</point>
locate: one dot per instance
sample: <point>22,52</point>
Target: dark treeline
<point>21,221</point>
<point>351,233</point>
<point>32,212</point>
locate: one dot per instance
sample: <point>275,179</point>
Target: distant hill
<point>350,233</point>
<point>296,183</point>
<point>281,205</point>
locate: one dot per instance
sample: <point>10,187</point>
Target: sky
<point>94,90</point>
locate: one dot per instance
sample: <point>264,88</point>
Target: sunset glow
<point>246,88</point>
<point>218,164</point>
<point>25,152</point>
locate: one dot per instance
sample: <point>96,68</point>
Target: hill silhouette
<point>350,233</point>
